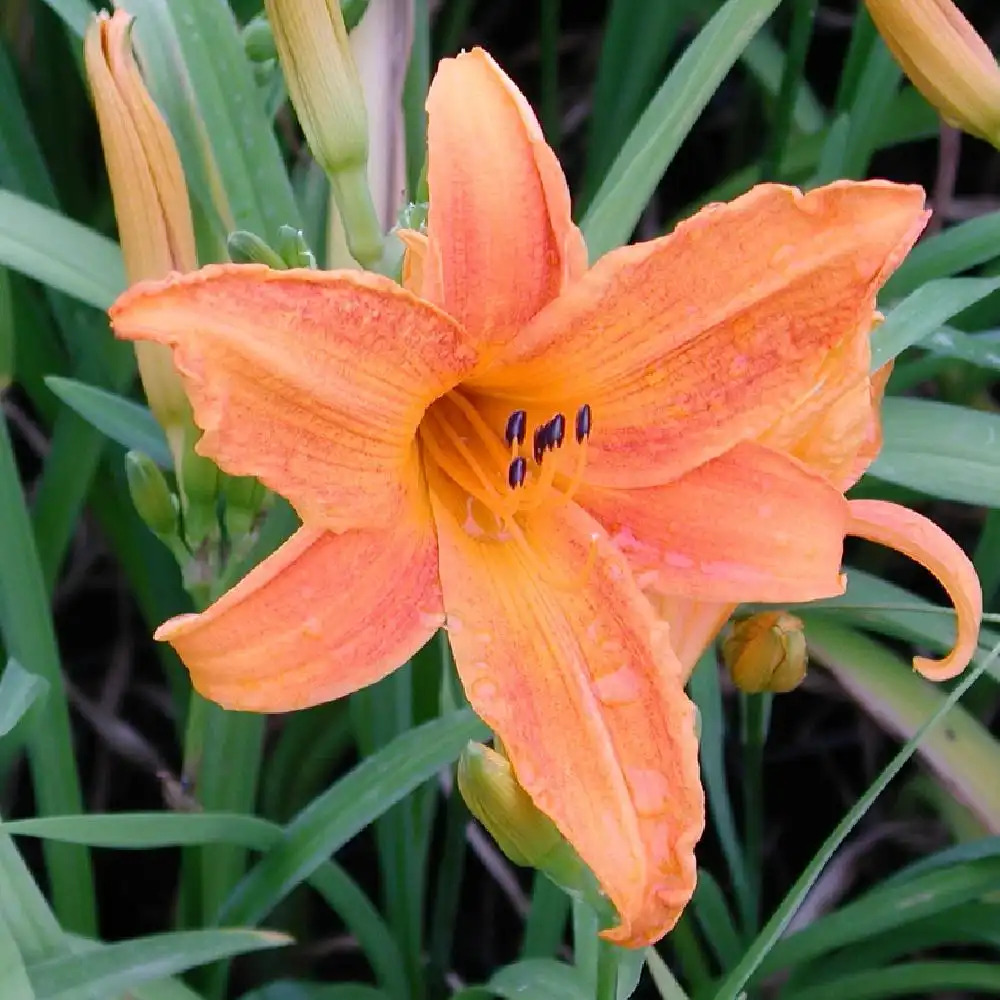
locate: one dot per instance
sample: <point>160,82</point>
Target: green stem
<point>795,60</point>
<point>549,41</point>
<point>607,972</point>
<point>756,714</point>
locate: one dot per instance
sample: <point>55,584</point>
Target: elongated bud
<point>311,39</point>
<point>522,831</point>
<point>150,196</point>
<point>152,498</point>
<point>766,652</point>
<point>946,60</point>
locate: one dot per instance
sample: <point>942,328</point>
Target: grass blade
<point>736,981</point>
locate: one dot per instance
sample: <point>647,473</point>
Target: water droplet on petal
<point>312,628</point>
<point>431,619</point>
<point>619,687</point>
<point>483,691</point>
<point>650,790</point>
<point>453,623</point>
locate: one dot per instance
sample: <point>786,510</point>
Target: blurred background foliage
<point>419,902</point>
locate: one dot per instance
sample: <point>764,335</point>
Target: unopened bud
<point>766,652</point>
<point>522,831</point>
<point>199,482</point>
<point>323,83</point>
<point>245,247</point>
<point>243,496</point>
<point>149,193</point>
<point>258,40</point>
<point>946,60</point>
<point>293,249</point>
<point>151,495</point>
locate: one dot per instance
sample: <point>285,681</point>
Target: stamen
<point>538,444</point>
<point>517,428</point>
<point>544,571</point>
<point>483,430</point>
<point>583,423</point>
<point>555,432</point>
<point>481,487</point>
<point>516,472</point>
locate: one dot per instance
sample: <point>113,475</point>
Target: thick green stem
<point>756,714</point>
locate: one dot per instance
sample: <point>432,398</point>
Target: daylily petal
<point>560,654</point>
<point>922,540</point>
<point>693,625</point>
<point>835,428</point>
<point>501,239</point>
<point>688,344</point>
<point>312,381</point>
<point>414,255</point>
<point>325,615</point>
<point>751,525</point>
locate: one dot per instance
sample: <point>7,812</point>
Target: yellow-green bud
<point>766,652</point>
<point>245,247</point>
<point>311,39</point>
<point>323,83</point>
<point>152,498</point>
<point>522,831</point>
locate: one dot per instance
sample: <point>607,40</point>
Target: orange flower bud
<point>766,652</point>
<point>150,197</point>
<point>946,60</point>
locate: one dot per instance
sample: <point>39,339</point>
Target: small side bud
<point>243,496</point>
<point>258,40</point>
<point>293,249</point>
<point>151,495</point>
<point>199,483</point>
<point>766,652</point>
<point>245,247</point>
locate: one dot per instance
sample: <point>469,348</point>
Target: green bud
<point>151,495</point>
<point>243,496</point>
<point>293,249</point>
<point>199,483</point>
<point>248,248</point>
<point>258,40</point>
<point>522,831</point>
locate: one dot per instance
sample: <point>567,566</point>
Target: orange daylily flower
<point>436,442</point>
<point>835,430</point>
